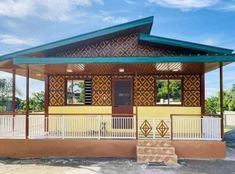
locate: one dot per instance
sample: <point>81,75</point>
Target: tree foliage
<point>213,102</point>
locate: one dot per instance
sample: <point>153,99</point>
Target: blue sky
<point>27,23</point>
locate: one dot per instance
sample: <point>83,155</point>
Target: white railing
<point>84,127</point>
<point>108,127</point>
<point>154,128</point>
<point>196,128</point>
<point>12,127</point>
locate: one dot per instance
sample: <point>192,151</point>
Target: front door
<point>122,98</point>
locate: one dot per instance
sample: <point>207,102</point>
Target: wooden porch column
<point>13,97</point>
<point>203,94</point>
<point>222,101</point>
<point>46,101</point>
<point>27,103</point>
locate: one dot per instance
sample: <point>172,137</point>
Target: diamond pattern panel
<point>56,90</point>
<point>192,93</point>
<point>125,45</point>
<point>144,91</point>
<point>192,82</point>
<point>102,90</point>
<point>162,128</point>
<point>145,128</point>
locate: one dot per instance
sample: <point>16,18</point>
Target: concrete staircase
<point>156,151</point>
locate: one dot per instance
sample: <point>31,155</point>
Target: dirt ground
<point>111,166</point>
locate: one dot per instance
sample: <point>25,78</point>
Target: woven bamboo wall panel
<point>192,82</point>
<point>192,98</point>
<point>126,45</point>
<point>192,93</point>
<point>56,91</point>
<point>144,91</point>
<point>102,90</point>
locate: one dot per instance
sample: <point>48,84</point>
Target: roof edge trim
<point>184,44</point>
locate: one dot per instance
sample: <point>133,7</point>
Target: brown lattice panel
<point>123,45</point>
<point>56,90</point>
<point>144,91</point>
<point>192,91</point>
<point>102,90</point>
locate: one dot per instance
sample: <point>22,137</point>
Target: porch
<point>105,126</point>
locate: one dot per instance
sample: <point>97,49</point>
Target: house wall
<point>143,92</point>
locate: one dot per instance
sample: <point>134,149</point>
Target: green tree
<point>6,93</point>
<point>36,103</point>
<point>213,102</point>
<point>212,105</point>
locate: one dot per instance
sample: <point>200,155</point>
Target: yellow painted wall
<point>80,109</point>
<point>165,111</point>
<point>143,112</point>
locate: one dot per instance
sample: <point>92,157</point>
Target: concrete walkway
<point>110,166</point>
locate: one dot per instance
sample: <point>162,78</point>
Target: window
<point>75,92</point>
<point>169,92</point>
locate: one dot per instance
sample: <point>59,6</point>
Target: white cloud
<point>227,6</point>
<point>54,10</point>
<point>12,40</point>
<point>114,20</point>
<point>185,4</point>
<point>129,2</point>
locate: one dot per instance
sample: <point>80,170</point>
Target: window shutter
<point>88,92</point>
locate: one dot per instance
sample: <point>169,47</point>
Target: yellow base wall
<point>143,111</point>
<point>80,109</point>
<point>165,111</point>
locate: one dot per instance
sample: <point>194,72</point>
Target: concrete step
<point>157,158</point>
<point>155,150</point>
<point>154,143</point>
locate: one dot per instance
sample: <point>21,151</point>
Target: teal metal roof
<point>83,37</point>
<point>172,42</point>
<point>123,60</point>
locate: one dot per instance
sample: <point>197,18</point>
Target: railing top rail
<point>185,115</point>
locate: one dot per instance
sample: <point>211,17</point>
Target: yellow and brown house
<point>117,92</point>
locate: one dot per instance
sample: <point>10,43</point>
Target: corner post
<point>202,94</point>
<point>13,98</point>
<point>46,103</point>
<point>221,101</point>
<point>27,104</point>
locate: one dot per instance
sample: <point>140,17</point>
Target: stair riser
<point>154,144</point>
<point>155,151</point>
<point>170,159</point>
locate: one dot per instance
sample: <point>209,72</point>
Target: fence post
<point>171,126</point>
<point>154,126</point>
<point>63,128</point>
<point>99,117</point>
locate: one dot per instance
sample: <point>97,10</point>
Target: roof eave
<point>183,44</point>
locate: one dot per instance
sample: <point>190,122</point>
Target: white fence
<point>108,127</point>
<point>229,118</point>
<point>196,128</point>
<point>12,127</point>
<point>84,127</point>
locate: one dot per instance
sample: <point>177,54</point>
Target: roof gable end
<point>99,33</point>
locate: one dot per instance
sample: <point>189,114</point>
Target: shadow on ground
<point>230,138</point>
